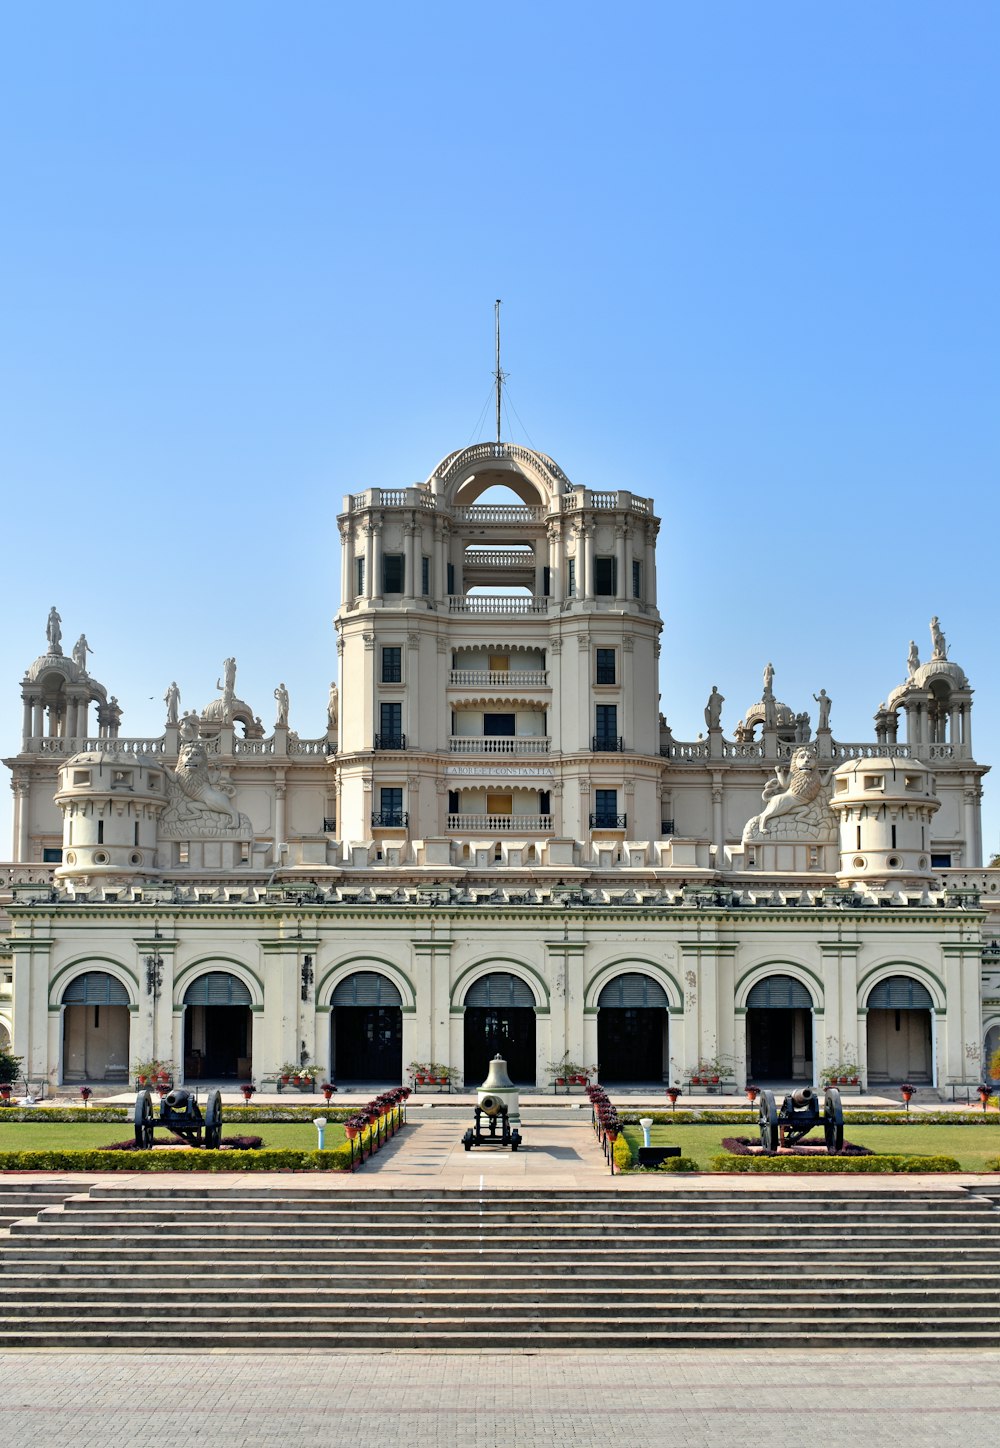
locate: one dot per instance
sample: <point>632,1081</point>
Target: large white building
<point>493,839</point>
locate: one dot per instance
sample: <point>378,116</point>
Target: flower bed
<point>749,1146</point>
<point>827,1165</point>
<point>339,1159</point>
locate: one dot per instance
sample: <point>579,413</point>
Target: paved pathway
<point>698,1399</point>
<point>431,1153</point>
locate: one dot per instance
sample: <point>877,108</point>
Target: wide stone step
<point>566,1333</point>
<point>112,1259</point>
<point>886,1197</point>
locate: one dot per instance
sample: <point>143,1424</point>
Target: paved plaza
<point>643,1400</point>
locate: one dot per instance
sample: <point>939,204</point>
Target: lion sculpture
<point>797,791</point>
<point>201,805</point>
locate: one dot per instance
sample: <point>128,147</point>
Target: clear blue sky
<point>748,258</point>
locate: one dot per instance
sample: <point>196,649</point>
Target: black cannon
<point>798,1114</point>
<point>496,1113</point>
<point>181,1114</point>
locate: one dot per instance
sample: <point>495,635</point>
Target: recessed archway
<point>218,1028</point>
<point>779,1031</point>
<point>499,1020</point>
<point>366,1030</point>
<point>633,1030</point>
<point>900,1042</point>
<point>95,1028</point>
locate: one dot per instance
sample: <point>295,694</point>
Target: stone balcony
<point>498,744</point>
<point>506,824</point>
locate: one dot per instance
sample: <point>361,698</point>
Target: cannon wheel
<point>833,1121</point>
<point>768,1122</point>
<point>213,1120</point>
<point>143,1119</point>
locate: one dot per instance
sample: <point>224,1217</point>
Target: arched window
<point>217,988</point>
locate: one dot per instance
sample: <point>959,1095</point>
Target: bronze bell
<point>497,1078</point>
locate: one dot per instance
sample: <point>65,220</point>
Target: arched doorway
<point>499,1018</point>
<point>632,1030</point>
<point>4,1037</point>
<point>366,1030</point>
<point>779,1031</point>
<point>899,1031</point>
<point>218,1028</point>
<point>95,1028</point>
<point>991,1046</point>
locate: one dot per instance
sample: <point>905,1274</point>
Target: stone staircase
<point>24,1199</point>
<point>180,1265</point>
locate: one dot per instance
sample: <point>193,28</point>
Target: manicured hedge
<point>338,1159</point>
<point>677,1163</point>
<point>624,1159</point>
<point>851,1118</point>
<point>790,1165</point>
<point>104,1115</point>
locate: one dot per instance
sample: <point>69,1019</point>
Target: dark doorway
<point>632,1031</point>
<point>218,1029</point>
<point>499,1020</point>
<point>217,1043</point>
<point>368,1044</point>
<point>779,1031</point>
<point>367,1030</point>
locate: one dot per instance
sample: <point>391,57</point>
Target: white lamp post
<point>645,1122</point>
<point>320,1124</point>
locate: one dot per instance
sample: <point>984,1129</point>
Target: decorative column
<point>279,816</point>
<point>718,831</point>
<point>554,534</point>
<point>573,1029</point>
<point>26,719</point>
<point>430,962</point>
<point>411,584</point>
<point>621,561</point>
<point>38,709</point>
<point>585,584</point>
<point>22,800</point>
<point>376,583</point>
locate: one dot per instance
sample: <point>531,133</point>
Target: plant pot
<point>842,1081</point>
<point>142,1080</point>
<point>695,1080</point>
<point>285,1080</point>
<point>715,1080</point>
<point>560,1080</point>
<point>854,1081</point>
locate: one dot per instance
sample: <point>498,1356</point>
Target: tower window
<point>605,577</point>
<point>393,573</point>
<point>392,665</point>
<point>571,578</point>
<point>454,805</point>
<point>359,576</point>
<point>636,578</point>
<point>100,832</point>
<point>425,575</point>
<point>605,672</point>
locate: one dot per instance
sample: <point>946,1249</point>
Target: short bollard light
<point>320,1124</point>
<point>645,1122</point>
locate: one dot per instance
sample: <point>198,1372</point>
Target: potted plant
<point>327,1089</point>
<point>672,1094</point>
<point>10,1069</point>
<point>86,1093</point>
<point>248,1089</point>
<point>752,1093</point>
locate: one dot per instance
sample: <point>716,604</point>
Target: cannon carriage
<point>181,1114</point>
<point>798,1114</point>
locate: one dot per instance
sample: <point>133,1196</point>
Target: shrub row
<point>624,1159</point>
<point>108,1114</point>
<point>851,1118</point>
<point>339,1159</point>
<point>833,1164</point>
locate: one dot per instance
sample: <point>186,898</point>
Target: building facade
<point>494,841</point>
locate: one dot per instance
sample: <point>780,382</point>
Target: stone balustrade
<point>498,744</point>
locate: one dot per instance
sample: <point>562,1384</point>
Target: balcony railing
<point>498,558</point>
<point>395,819</point>
<point>500,678</point>
<point>496,604</point>
<point>608,822</point>
<point>498,744</point>
<point>497,513</point>
<point>390,741</point>
<point>490,824</point>
<point>607,744</point>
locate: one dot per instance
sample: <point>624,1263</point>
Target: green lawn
<point>58,1136</point>
<point>972,1146</point>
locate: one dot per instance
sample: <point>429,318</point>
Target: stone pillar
<point>26,720</point>
<point>556,570</point>
<point>376,583</point>
<point>411,583</point>
<point>38,727</point>
<point>649,570</point>
<point>279,818</point>
<point>621,562</point>
<point>585,583</point>
<point>22,799</point>
<point>718,831</point>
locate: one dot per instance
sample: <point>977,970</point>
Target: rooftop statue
<point>281,695</point>
<point>938,640</point>
<point>53,631</point>
<point>713,709</point>
<point>913,659</point>
<point>80,651</point>
<point>172,699</point>
<point>824,701</point>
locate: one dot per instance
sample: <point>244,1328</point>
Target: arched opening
<point>991,1046</point>
<point>633,1031</point>
<point>500,1019</point>
<point>218,1028</point>
<point>95,1028</point>
<point>779,1031</point>
<point>4,1037</point>
<point>899,1031</point>
<point>366,1030</point>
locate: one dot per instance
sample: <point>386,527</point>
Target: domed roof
<point>57,664</point>
<point>886,763</point>
<point>113,752</point>
<point>940,669</point>
<point>782,714</point>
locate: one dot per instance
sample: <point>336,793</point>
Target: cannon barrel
<point>491,1105</point>
<point>177,1099</point>
<point>803,1096</point>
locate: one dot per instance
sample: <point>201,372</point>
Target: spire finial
<point>498,376</point>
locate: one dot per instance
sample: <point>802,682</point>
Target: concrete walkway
<point>431,1153</point>
<point>653,1399</point>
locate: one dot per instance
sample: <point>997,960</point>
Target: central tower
<point>498,635</point>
